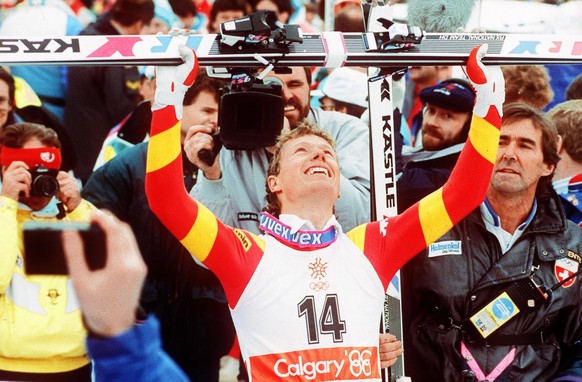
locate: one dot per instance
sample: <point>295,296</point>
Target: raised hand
<point>172,82</point>
<point>489,86</point>
<point>69,192</point>
<point>199,138</point>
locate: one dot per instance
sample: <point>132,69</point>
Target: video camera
<point>250,115</point>
<point>44,181</point>
<point>251,107</point>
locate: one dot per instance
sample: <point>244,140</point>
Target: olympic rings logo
<point>320,285</point>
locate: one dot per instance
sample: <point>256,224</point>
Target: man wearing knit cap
<point>445,125</point>
<point>447,113</point>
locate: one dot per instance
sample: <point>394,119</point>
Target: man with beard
<point>417,79</point>
<point>233,187</point>
<point>445,124</point>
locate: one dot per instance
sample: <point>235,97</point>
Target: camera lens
<point>272,81</point>
<point>45,185</point>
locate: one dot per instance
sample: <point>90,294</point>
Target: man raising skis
<point>306,298</point>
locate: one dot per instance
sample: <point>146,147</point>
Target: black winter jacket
<point>119,186</point>
<point>449,288</point>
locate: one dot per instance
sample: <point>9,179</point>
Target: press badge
<point>520,296</point>
<point>494,315</point>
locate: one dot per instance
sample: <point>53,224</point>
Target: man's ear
<point>548,169</point>
<point>273,183</point>
<point>560,145</point>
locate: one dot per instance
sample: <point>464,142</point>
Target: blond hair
<point>303,128</point>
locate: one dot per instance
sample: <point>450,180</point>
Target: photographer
<point>233,187</point>
<point>41,328</point>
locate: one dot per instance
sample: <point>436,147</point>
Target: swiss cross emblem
<point>563,269</point>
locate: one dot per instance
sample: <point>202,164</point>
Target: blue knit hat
<point>453,94</point>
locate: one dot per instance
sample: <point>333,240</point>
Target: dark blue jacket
<point>135,355</point>
<point>424,172</point>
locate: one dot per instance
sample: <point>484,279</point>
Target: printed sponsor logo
<point>304,238</point>
<point>444,248</point>
<point>553,47</point>
<point>47,45</point>
<point>344,363</point>
<point>387,129</point>
<point>243,238</point>
<point>310,370</point>
<point>469,37</point>
<point>248,216</point>
<point>122,45</point>
<point>574,256</point>
<point>384,226</point>
<point>563,46</point>
<point>297,237</point>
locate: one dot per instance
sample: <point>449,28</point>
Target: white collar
<point>493,224</point>
<point>296,223</point>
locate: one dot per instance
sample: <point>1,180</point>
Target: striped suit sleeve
<point>391,242</point>
<point>231,254</point>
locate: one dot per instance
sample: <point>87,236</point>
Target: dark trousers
<point>196,333</point>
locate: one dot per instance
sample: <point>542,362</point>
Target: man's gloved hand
<point>172,82</point>
<point>488,83</point>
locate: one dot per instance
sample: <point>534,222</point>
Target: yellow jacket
<point>40,320</point>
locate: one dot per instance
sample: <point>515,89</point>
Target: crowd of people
<point>251,263</point>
